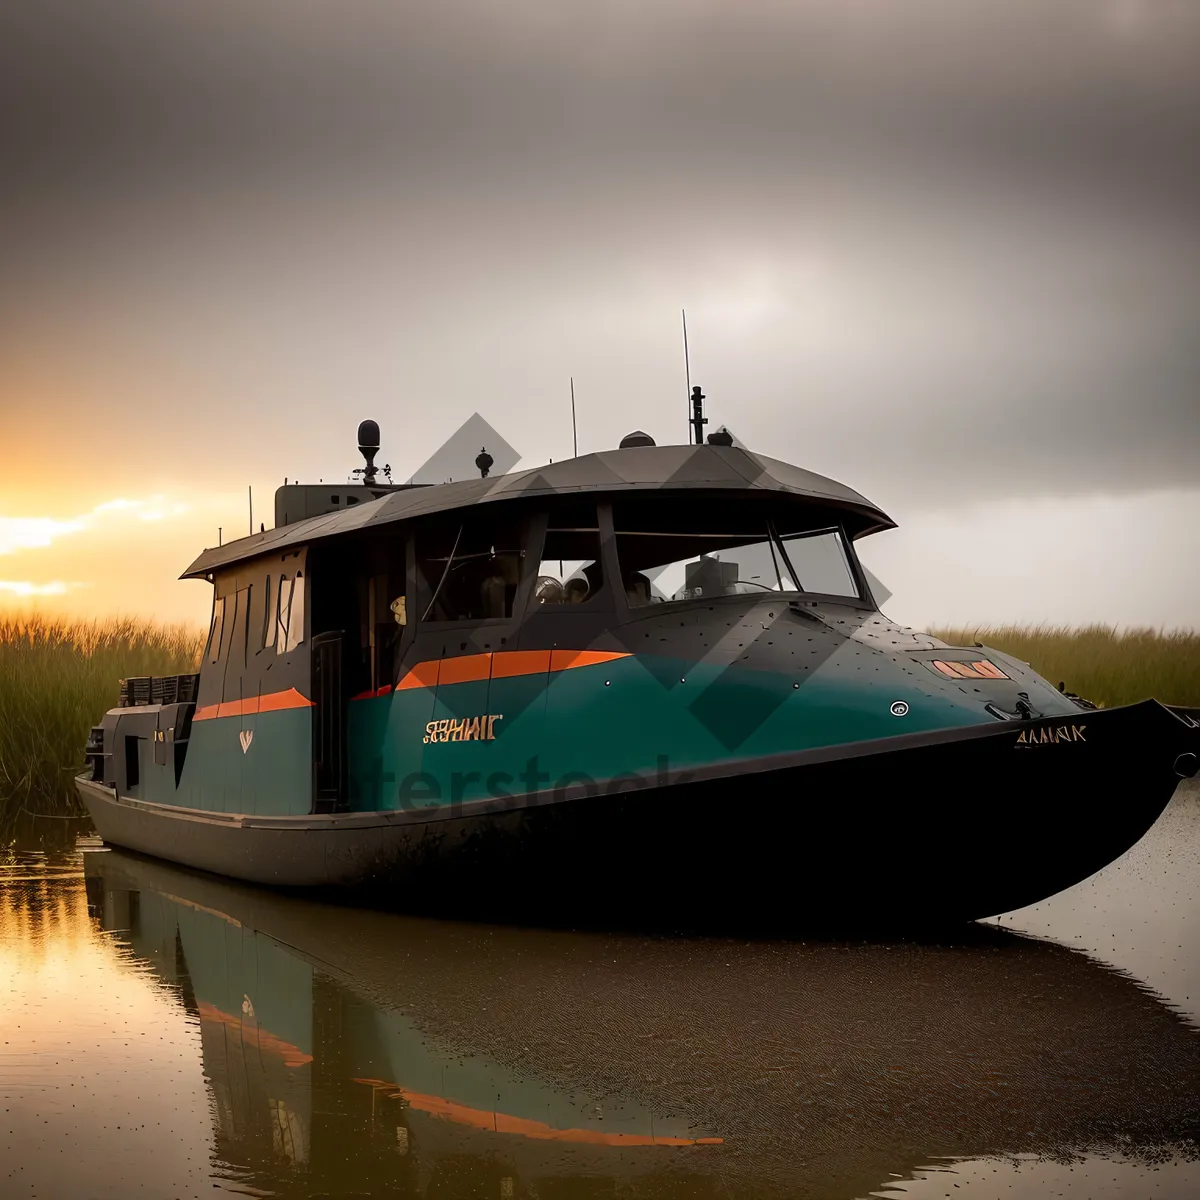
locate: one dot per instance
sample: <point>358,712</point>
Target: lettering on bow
<point>463,729</point>
<point>1051,735</point>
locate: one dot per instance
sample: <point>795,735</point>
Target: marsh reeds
<point>57,679</point>
<point>1104,665</point>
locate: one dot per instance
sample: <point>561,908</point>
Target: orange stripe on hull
<point>515,663</point>
<point>212,912</point>
<point>276,701</point>
<point>503,664</point>
<point>565,660</point>
<point>520,662</point>
<point>292,1056</point>
<point>469,668</point>
<point>271,702</point>
<point>424,674</point>
<point>498,1122</point>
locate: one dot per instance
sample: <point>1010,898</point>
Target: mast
<point>687,369</point>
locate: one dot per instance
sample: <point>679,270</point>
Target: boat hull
<point>923,830</point>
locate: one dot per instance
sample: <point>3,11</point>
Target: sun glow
<point>106,556</point>
<point>25,587</point>
<point>35,533</point>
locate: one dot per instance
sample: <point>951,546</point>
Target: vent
<point>158,689</point>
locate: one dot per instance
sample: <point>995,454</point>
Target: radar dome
<point>636,438</point>
<point>368,447</point>
<point>368,435</point>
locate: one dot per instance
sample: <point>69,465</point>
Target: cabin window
<point>570,568</point>
<point>469,571</point>
<point>290,624</point>
<point>283,602</point>
<point>215,630</point>
<point>659,567</point>
<point>675,551</point>
<point>296,618</point>
<point>820,563</point>
<point>270,616</point>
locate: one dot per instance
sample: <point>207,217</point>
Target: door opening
<point>329,724</point>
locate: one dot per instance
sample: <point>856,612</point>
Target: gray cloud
<point>1076,84</point>
<point>943,248</point>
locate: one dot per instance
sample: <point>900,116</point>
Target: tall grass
<point>57,678</point>
<point>1099,663</point>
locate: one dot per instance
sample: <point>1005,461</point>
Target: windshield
<point>659,567</point>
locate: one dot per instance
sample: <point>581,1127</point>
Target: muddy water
<point>165,1034</point>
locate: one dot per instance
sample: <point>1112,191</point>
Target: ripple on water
<point>165,1032</point>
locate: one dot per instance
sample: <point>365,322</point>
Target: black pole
<point>574,429</point>
<point>687,366</point>
<point>699,420</point>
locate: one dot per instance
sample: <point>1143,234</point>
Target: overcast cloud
<point>946,251</point>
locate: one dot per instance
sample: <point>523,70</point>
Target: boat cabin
<point>320,624</point>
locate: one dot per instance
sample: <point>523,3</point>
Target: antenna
<point>687,373</point>
<point>574,430</point>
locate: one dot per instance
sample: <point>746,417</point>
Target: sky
<point>945,251</point>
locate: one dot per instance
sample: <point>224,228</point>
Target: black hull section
<point>940,829</point>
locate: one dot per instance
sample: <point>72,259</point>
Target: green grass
<point>57,678</point>
<point>1100,664</point>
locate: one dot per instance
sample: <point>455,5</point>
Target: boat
<point>652,678</point>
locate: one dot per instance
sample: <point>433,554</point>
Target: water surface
<point>165,1034</point>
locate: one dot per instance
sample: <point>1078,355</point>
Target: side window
<point>289,622</point>
<point>470,571</point>
<point>270,616</point>
<point>570,570</point>
<point>215,630</point>
<point>295,628</point>
<point>283,609</point>
<point>821,564</point>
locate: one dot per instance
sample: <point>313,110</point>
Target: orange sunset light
<point>122,556</point>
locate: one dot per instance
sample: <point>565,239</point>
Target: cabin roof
<point>610,472</point>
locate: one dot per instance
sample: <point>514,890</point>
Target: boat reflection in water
<point>309,1073</point>
<point>354,1052</point>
